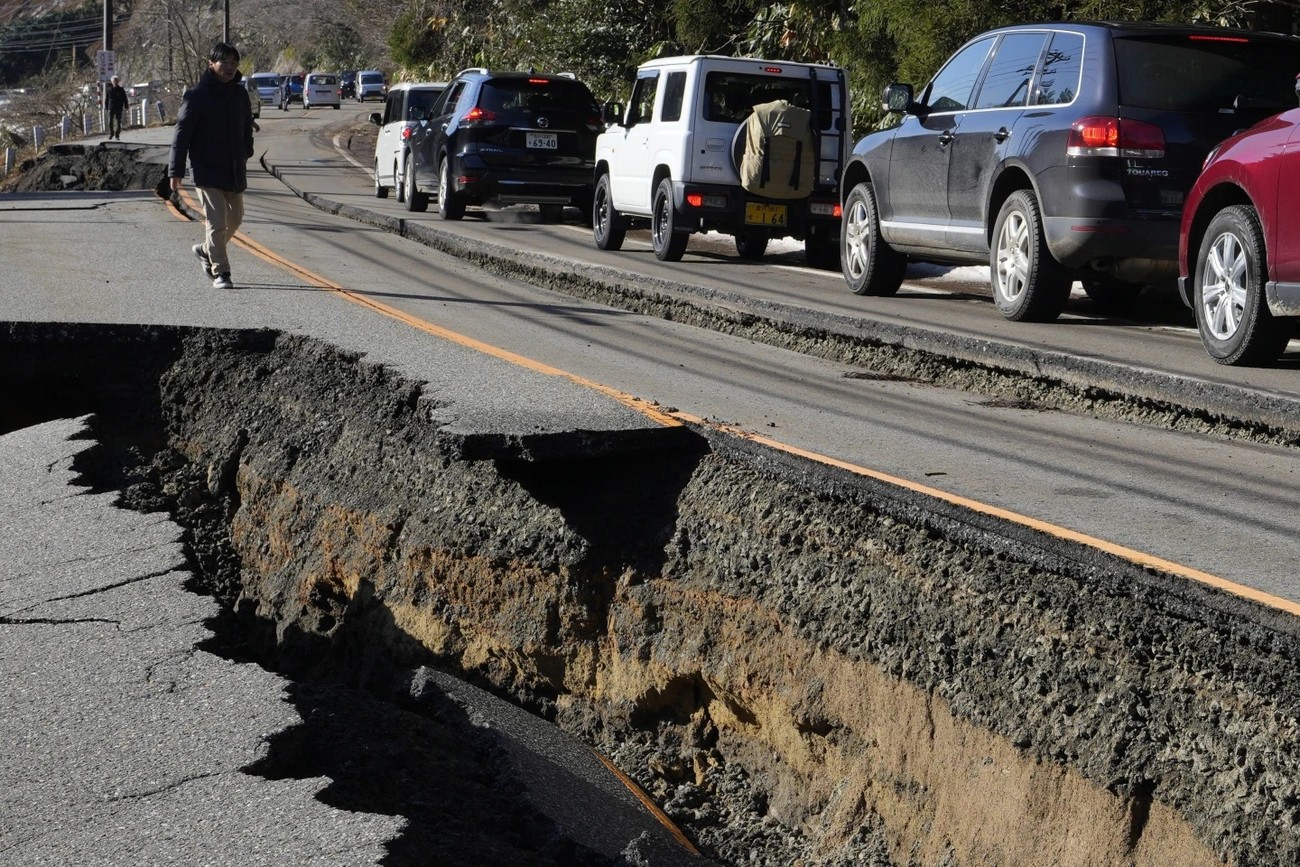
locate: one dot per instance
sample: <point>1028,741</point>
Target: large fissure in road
<point>799,664</point>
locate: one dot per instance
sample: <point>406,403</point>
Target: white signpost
<point>106,61</point>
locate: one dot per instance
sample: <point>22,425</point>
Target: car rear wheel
<point>870,266</point>
<point>415,200</point>
<point>1232,314</point>
<point>670,245</point>
<point>451,205</point>
<point>381,191</point>
<point>607,225</point>
<point>1029,285</point>
<point>751,244</point>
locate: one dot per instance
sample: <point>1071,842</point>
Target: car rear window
<point>1206,74</point>
<point>324,79</point>
<point>729,97</point>
<point>530,96</point>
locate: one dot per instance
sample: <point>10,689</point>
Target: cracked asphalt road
<point>124,741</point>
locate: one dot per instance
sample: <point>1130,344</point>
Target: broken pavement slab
<point>125,742</point>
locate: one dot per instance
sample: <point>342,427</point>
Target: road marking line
<point>675,418</point>
<point>649,804</point>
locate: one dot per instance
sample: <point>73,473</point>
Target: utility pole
<point>225,28</point>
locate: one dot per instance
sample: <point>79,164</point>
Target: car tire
<point>551,213</point>
<point>669,244</point>
<point>1029,285</point>
<point>607,225</point>
<point>870,266</point>
<point>1232,313</point>
<point>415,200</point>
<point>751,244</point>
<point>451,205</point>
<point>381,191</point>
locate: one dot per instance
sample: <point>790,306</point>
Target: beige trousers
<point>222,212</point>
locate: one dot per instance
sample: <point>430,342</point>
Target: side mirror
<point>376,118</point>
<point>898,98</point>
<point>611,112</point>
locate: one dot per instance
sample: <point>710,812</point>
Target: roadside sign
<point>106,61</point>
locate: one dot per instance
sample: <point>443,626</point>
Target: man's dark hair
<point>222,50</point>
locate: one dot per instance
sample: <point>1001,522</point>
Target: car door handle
<point>1002,135</point>
<point>946,137</point>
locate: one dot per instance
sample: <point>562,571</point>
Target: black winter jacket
<point>214,129</point>
<point>115,100</point>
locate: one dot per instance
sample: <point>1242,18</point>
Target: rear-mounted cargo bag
<point>779,151</point>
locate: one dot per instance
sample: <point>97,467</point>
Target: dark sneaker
<point>202,256</point>
<point>223,282</point>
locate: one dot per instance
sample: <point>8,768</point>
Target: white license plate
<point>547,141</point>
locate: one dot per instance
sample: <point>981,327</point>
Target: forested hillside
<point>599,40</point>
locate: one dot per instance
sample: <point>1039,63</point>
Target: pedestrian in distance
<point>214,131</point>
<point>116,102</point>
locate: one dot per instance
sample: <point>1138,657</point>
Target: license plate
<point>761,214</point>
<point>547,141</point>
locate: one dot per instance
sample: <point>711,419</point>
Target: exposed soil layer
<point>802,666</point>
<point>102,166</point>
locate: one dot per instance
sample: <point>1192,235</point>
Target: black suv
<point>1055,152</point>
<point>506,138</point>
<point>348,84</point>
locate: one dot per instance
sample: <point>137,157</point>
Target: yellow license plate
<point>761,214</point>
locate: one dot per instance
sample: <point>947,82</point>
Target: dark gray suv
<point>1055,152</point>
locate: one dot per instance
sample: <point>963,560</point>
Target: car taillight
<point>406,132</point>
<point>1115,137</point>
<point>478,117</point>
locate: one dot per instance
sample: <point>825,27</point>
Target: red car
<point>1239,249</point>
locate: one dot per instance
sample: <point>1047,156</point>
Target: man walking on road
<point>115,101</point>
<point>214,130</point>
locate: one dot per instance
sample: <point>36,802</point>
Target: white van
<point>321,88</point>
<point>405,106</point>
<point>370,85</point>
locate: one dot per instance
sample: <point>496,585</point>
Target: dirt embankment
<point>801,666</point>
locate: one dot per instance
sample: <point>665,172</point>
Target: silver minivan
<point>321,88</point>
<point>370,85</point>
<point>405,106</point>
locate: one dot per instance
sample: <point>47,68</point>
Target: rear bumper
<point>723,207</point>
<point>483,183</point>
<point>1133,249</point>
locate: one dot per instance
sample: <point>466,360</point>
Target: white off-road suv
<point>672,159</point>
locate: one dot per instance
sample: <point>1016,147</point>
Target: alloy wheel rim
<point>1223,286</point>
<point>855,246</point>
<point>1013,257</point>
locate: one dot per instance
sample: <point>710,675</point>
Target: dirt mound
<point>103,166</point>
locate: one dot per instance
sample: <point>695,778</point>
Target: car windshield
<point>1188,73</point>
<point>371,78</point>
<point>533,96</point>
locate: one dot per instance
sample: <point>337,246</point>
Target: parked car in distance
<point>371,85</point>
<point>348,84</point>
<point>506,138</point>
<point>1055,152</point>
<point>1239,251</point>
<point>321,88</point>
<point>254,98</point>
<point>267,85</point>
<point>404,107</point>
<point>291,90</point>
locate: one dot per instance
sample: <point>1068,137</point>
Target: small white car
<point>370,85</point>
<point>404,107</point>
<point>321,88</point>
